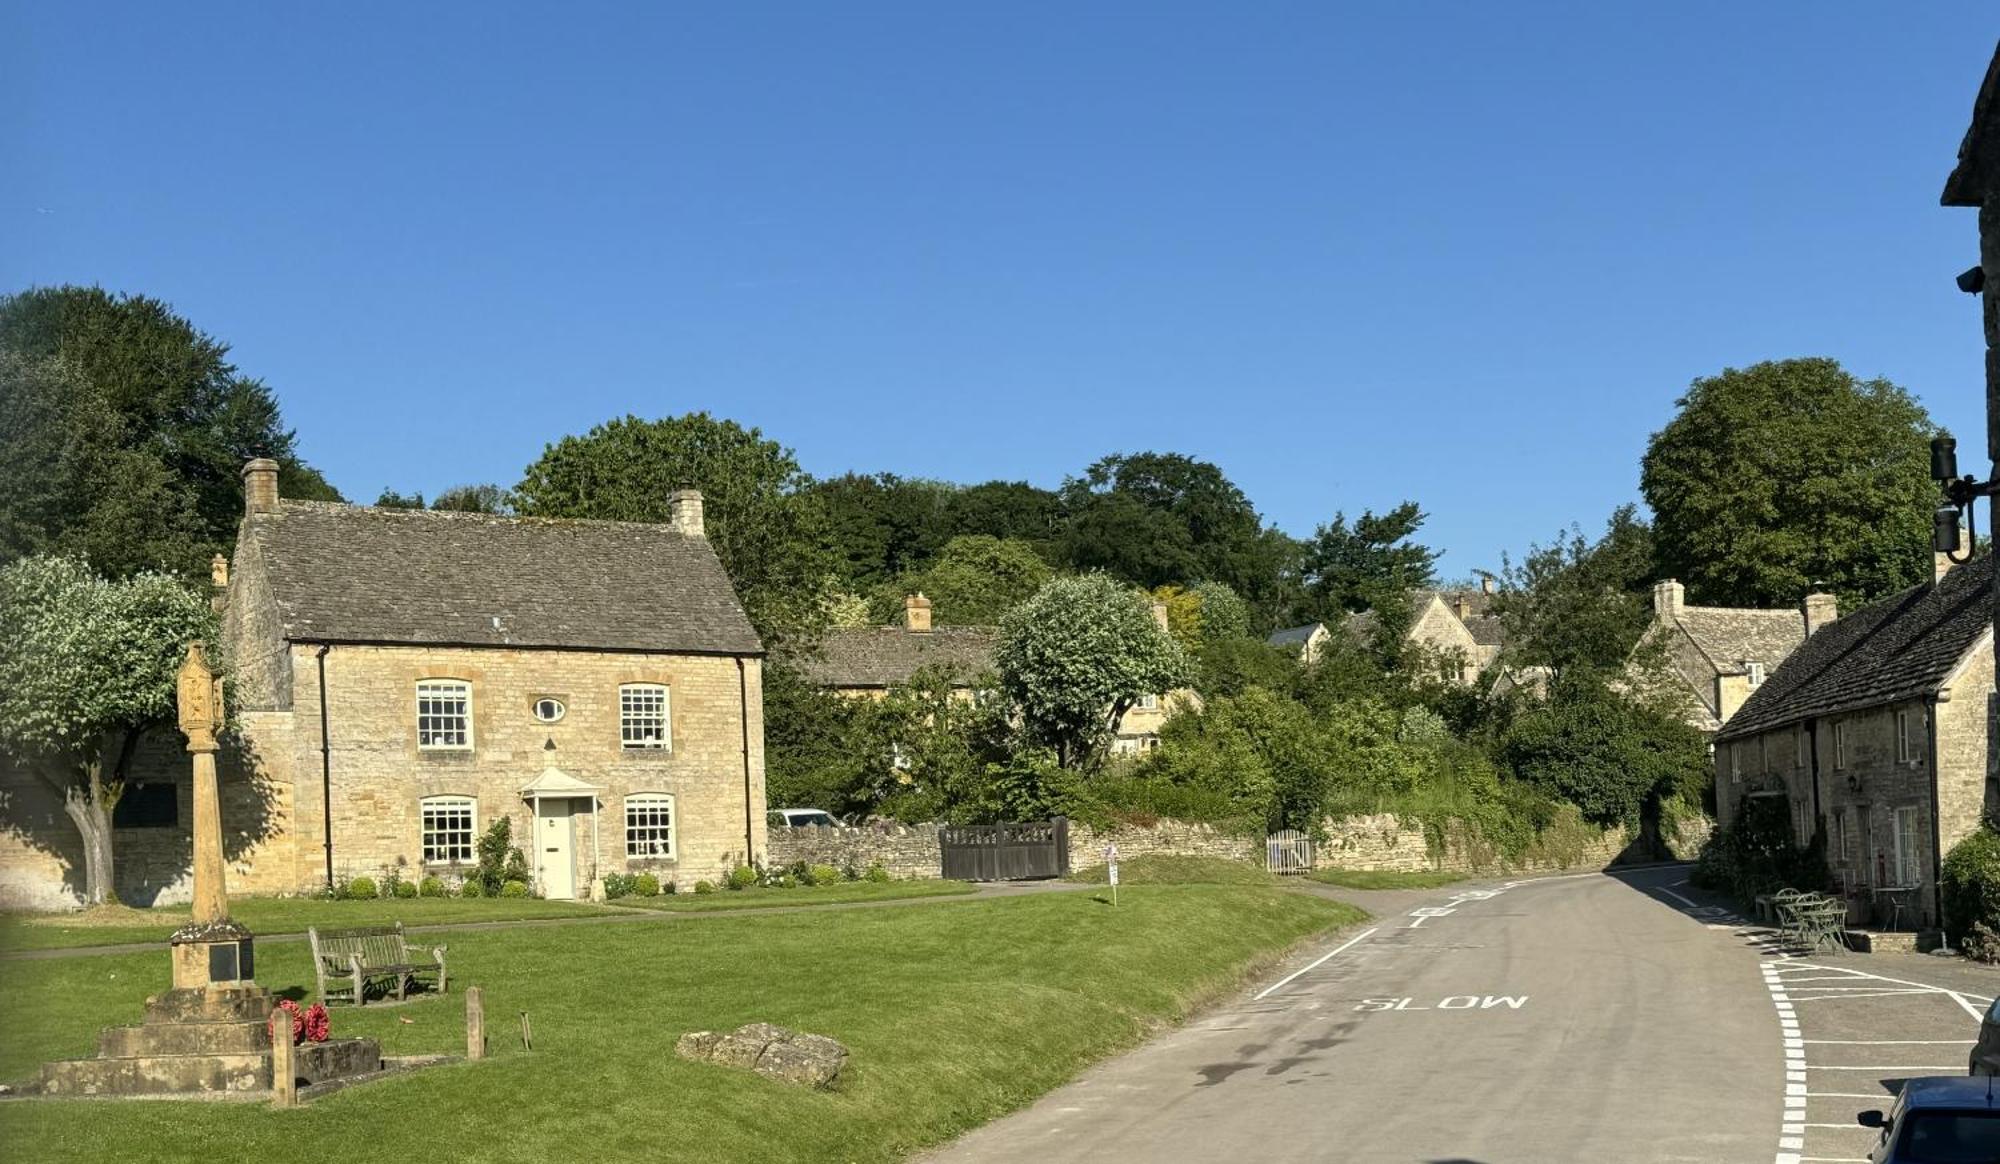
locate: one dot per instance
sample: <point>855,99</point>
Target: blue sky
<point>1467,253</point>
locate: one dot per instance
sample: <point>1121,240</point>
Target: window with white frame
<point>1839,745</point>
<point>1756,674</point>
<point>449,823</point>
<point>1909,865</point>
<point>1149,703</point>
<point>642,716</point>
<point>444,714</point>
<point>649,825</point>
<point>1840,835</point>
<point>1906,737</point>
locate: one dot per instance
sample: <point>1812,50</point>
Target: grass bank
<point>1158,869</point>
<point>1381,879</point>
<point>112,925</point>
<point>847,891</point>
<point>954,1016</point>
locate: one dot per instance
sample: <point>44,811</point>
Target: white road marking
<point>1314,965</point>
<point>1895,1042</point>
<point>1895,1067</point>
<point>1849,1095</point>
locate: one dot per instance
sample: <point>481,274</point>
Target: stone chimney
<point>1942,564</point>
<point>917,614</point>
<point>218,576</point>
<point>1486,584</point>
<point>1160,615</point>
<point>260,486</point>
<point>1668,598</point>
<point>684,513</point>
<point>1820,610</point>
<point>1461,606</point>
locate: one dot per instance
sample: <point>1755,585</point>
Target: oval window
<point>549,710</point>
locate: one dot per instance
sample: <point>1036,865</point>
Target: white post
<point>596,846</point>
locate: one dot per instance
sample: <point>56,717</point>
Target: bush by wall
<point>1969,890</point>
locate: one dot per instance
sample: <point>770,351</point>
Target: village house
<point>399,680</point>
<point>1454,632</point>
<point>1875,733</point>
<point>1713,658</point>
<point>1307,642</point>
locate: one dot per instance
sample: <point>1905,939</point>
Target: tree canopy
<point>124,430</point>
<point>767,530</point>
<point>973,581</point>
<point>1787,476</point>
<point>1579,603</point>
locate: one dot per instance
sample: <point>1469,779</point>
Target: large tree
<point>86,666</point>
<point>973,581</point>
<point>155,405</point>
<point>1577,602</point>
<point>1785,476</point>
<point>1158,518</point>
<point>766,529</point>
<point>883,525</point>
<point>1073,660</point>
<point>1372,564</point>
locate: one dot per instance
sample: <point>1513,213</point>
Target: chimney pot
<point>218,571</point>
<point>917,614</point>
<point>260,486</point>
<point>1160,615</point>
<point>1461,606</point>
<point>684,513</point>
<point>1486,584</point>
<point>1668,598</point>
<point>1821,609</point>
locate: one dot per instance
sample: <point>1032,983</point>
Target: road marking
<point>1895,1067</point>
<point>1849,1095</point>
<point>1271,989</point>
<point>1690,902</point>
<point>1895,1042</point>
<point>1454,1002</point>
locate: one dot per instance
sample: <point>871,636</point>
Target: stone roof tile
<point>882,656</point>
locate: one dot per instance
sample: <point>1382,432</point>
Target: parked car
<point>1986,1052</point>
<point>1941,1119</point>
<point>798,818</point>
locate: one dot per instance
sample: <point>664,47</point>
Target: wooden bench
<point>371,954</point>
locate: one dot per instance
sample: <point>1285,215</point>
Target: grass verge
<point>954,1016</point>
<point>848,891</point>
<point>112,925</point>
<point>1157,869</point>
<point>1382,879</point>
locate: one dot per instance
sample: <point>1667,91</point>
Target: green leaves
<point>1077,655</point>
<point>1788,476</point>
<point>82,657</point>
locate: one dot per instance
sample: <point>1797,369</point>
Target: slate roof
<point>1731,636</point>
<point>355,574</point>
<point>1902,647</point>
<point>1294,636</point>
<point>1487,630</point>
<point>881,656</point>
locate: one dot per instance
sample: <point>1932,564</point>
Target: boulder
<point>770,1050</point>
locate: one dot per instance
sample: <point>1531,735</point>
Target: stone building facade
<point>1712,658</point>
<point>1875,735</point>
<point>401,680</point>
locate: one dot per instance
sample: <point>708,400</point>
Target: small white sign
<point>1114,872</point>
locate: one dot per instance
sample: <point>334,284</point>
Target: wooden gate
<point>1005,852</point>
<point>1288,852</point>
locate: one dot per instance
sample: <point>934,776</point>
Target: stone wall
<point>1166,838</point>
<point>1382,843</point>
<point>904,850</point>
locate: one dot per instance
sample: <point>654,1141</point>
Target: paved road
<point>1594,1019</point>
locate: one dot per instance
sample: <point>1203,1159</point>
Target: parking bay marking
<point>1454,1002</point>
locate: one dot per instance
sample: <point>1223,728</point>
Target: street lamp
<point>1959,493</point>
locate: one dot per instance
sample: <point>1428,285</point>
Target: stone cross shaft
<point>200,706</point>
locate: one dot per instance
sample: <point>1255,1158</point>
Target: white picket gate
<point>1288,853</point>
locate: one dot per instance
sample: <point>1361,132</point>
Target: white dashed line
<point>1314,965</point>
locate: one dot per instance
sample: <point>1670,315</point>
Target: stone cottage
<point>1715,657</point>
<point>1875,732</point>
<point>402,679</point>
<point>1454,630</point>
<point>1307,642</point>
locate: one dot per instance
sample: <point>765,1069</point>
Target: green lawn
<point>954,1016</point>
<point>270,915</point>
<point>1166,870</point>
<point>1377,879</point>
<point>846,891</point>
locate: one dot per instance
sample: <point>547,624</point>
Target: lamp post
<point>1959,494</point>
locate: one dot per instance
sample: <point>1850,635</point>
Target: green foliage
<point>431,887</point>
<point>1233,665</point>
<point>973,581</point>
<point>617,885</point>
<point>1075,657</point>
<point>741,877</point>
<point>484,498</point>
<point>646,885</point>
<point>512,888</point>
<point>884,526</point>
<point>1370,565</point>
<point>361,889</point>
<point>125,431</point>
<point>391,499</point>
<point>499,860</point>
<point>823,875</point>
<point>1969,887</point>
<point>472,888</point>
<point>1576,603</point>
<point>1220,612</point>
<point>767,530</point>
<point>704,887</point>
<point>1604,753</point>
<point>1788,475</point>
<point>1755,853</point>
<point>406,889</point>
<point>877,874</point>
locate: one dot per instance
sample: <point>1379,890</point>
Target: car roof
<point>1972,1092</point>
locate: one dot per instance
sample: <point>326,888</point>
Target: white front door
<point>555,861</point>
